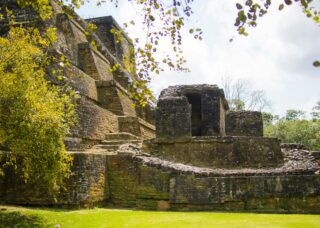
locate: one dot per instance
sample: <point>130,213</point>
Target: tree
<point>305,132</point>
<point>317,107</point>
<point>315,114</point>
<point>295,128</point>
<point>269,118</point>
<point>293,114</point>
<point>35,115</point>
<point>240,96</point>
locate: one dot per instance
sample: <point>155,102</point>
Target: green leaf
<point>239,6</point>
<point>281,6</point>
<point>316,63</point>
<point>288,2</point>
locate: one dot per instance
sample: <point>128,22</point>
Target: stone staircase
<point>113,141</point>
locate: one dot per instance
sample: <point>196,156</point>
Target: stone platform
<point>219,152</point>
<point>129,178</point>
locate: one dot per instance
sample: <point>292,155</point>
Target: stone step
<point>106,147</point>
<point>120,142</point>
<point>121,136</point>
<point>113,145</point>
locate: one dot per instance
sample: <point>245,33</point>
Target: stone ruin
<point>194,126</point>
<point>188,153</point>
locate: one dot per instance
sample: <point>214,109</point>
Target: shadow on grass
<point>16,219</point>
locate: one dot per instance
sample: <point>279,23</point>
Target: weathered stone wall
<point>108,97</point>
<point>226,152</point>
<point>82,83</point>
<point>86,186</point>
<point>316,155</point>
<point>123,182</point>
<point>126,102</point>
<point>94,122</point>
<point>114,97</point>
<point>122,49</point>
<point>173,120</point>
<point>130,125</point>
<point>147,130</point>
<point>90,68</point>
<point>150,183</point>
<point>67,43</point>
<point>136,126</point>
<point>206,112</point>
<point>128,179</point>
<point>262,193</point>
<point>244,123</point>
<point>93,63</point>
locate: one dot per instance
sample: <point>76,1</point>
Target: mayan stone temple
<point>187,152</point>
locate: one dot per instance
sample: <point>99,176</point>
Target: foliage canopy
<point>35,115</point>
<point>294,128</point>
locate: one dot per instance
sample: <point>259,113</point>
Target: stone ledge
<point>146,124</point>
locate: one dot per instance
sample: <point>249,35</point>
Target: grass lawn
<point>32,217</point>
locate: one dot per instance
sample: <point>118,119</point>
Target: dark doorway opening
<point>196,117</point>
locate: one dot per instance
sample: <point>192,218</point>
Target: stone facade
<point>190,153</point>
<point>86,186</point>
<point>192,122</point>
<point>168,112</point>
<point>104,95</point>
<point>201,112</point>
<point>244,123</point>
<point>226,152</point>
<point>136,180</point>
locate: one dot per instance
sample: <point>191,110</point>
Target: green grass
<point>32,217</point>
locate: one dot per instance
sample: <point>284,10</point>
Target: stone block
<point>244,123</point>
<point>82,83</point>
<point>113,97</point>
<point>108,97</point>
<point>94,122</point>
<point>122,179</point>
<point>173,119</point>
<point>207,107</point>
<point>147,130</point>
<point>153,184</point>
<point>93,63</point>
<point>123,49</point>
<point>87,184</point>
<point>129,125</point>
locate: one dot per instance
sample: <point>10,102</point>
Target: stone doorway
<point>196,113</point>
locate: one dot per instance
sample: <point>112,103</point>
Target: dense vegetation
<point>294,127</point>
<point>35,115</point>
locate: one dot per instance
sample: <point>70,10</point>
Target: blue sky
<point>276,57</point>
